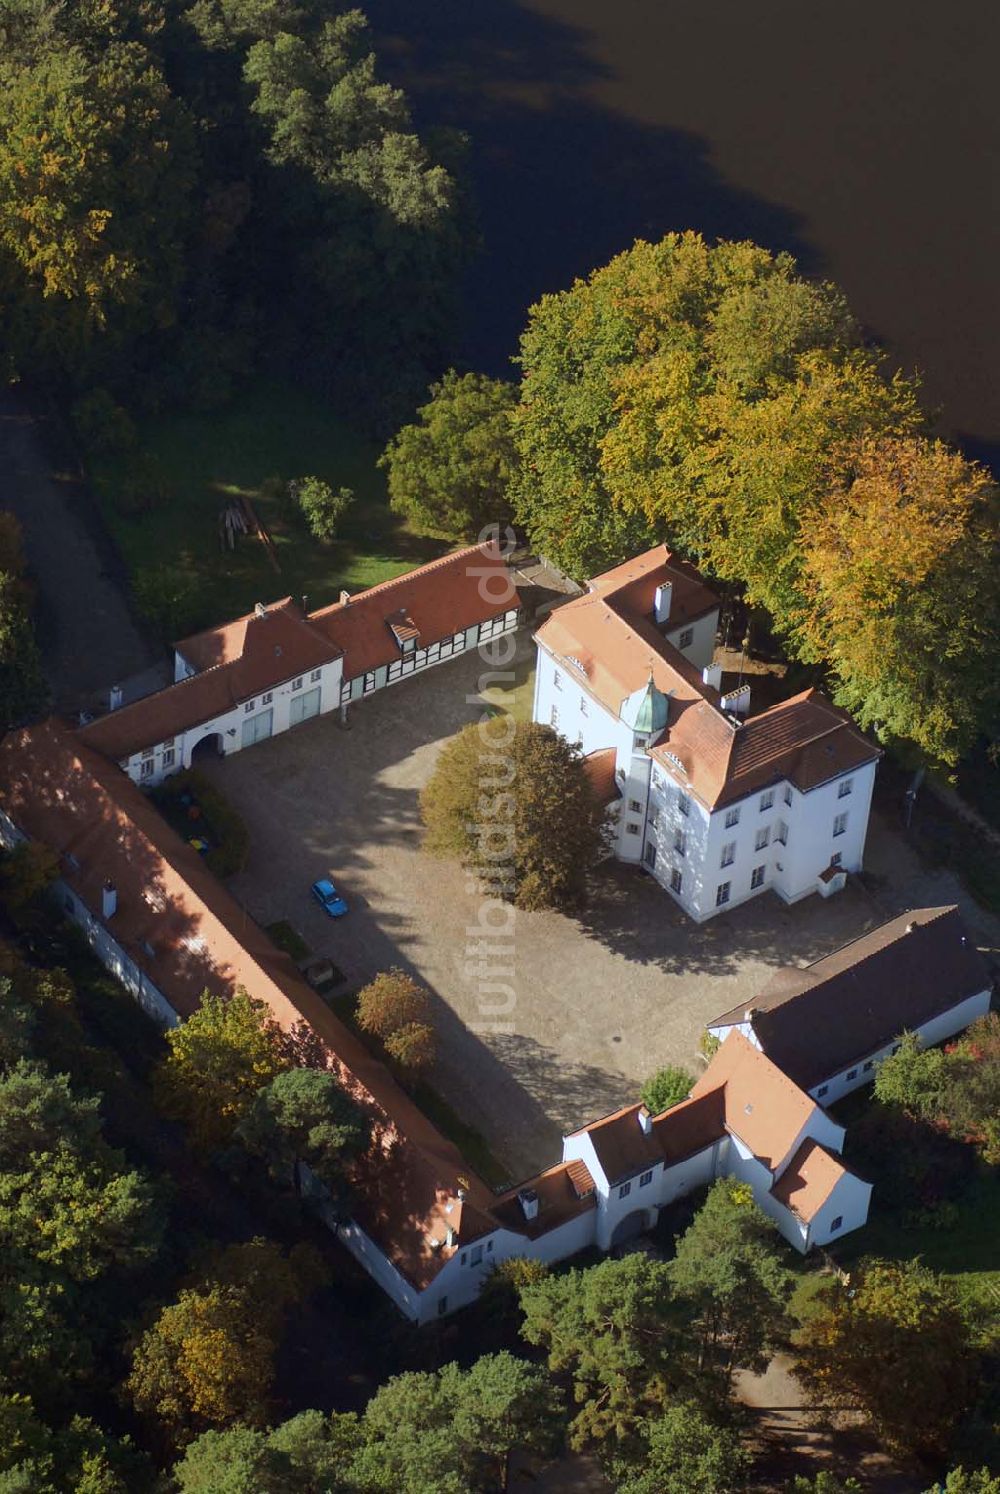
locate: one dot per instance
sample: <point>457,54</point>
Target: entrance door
<point>303,706</point>
<point>257,728</point>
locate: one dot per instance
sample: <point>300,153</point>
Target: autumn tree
<point>450,470</point>
<point>729,1274</point>
<point>895,1342</point>
<point>683,1452</point>
<point>395,1009</point>
<point>914,1077</point>
<point>666,1087</point>
<point>957,1088</point>
<point>512,800</point>
<point>322,506</point>
<point>304,1116</point>
<point>909,628</point>
<point>456,1429</point>
<point>219,1058</point>
<point>615,1331</point>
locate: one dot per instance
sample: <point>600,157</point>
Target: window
<point>683,803</point>
<point>408,645</point>
<point>267,697</point>
<point>168,758</point>
<point>766,800</point>
<point>297,685</point>
<point>632,827</point>
<point>650,855</point>
<point>557,679</point>
<point>459,640</point>
<point>657,779</point>
<point>787,796</point>
<point>624,1190</point>
<point>732,818</point>
<point>756,878</point>
<point>836,1223</point>
<point>722,894</point>
<point>869,1065</point>
<point>465,1257</point>
<point>170,742</point>
<point>148,751</point>
<point>846,784</point>
<point>840,824</point>
<point>583,705</point>
<point>852,1073</point>
<point>249,705</point>
<point>146,768</point>
<point>316,674</point>
<point>369,682</point>
<point>762,838</point>
<point>489,1247</point>
<point>442,1307</point>
<point>822,1090</point>
<point>554,716</point>
<point>647,1177</point>
<point>676,881</point>
<point>686,639</point>
<point>781,834</point>
<point>477,1255</point>
<point>680,842</point>
<point>634,806</point>
<point>257,728</point>
<point>304,706</point>
<point>836,858</point>
<point>728,853</point>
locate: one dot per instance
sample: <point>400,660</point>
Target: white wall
<point>811,841</point>
<point>849,1201</point>
<point>702,646</point>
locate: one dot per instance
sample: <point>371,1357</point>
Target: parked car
<point>329,898</point>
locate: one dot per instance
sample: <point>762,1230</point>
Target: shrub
<point>665,1088</point>
<point>321,507</point>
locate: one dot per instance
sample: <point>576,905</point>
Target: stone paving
<point>600,1001</point>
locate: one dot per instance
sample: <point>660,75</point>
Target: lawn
<point>183,578</point>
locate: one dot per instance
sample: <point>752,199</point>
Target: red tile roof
<point>439,599</point>
<point>607,637</point>
<point>808,1180</point>
<point>762,1106</point>
<point>563,1193</point>
<point>600,769</point>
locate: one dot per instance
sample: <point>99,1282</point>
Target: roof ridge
<point>938,910</point>
<point>380,586</point>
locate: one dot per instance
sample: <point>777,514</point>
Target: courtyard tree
<point>616,1332</point>
<point>322,507</point>
<point>682,1452</point>
<point>914,1077</point>
<point>512,800</point>
<point>455,1429</point>
<point>729,1274</point>
<point>449,472</point>
<point>396,1009</point>
<point>304,1116</point>
<point>666,1087</point>
<point>217,1061</point>
<point>895,1342</point>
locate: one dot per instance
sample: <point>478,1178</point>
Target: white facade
<point>777,839</point>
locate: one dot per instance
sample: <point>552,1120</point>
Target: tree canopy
<point>513,801</point>
<point>304,1116</point>
<point>666,1087</point>
<point>683,1452</point>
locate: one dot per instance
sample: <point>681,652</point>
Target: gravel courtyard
<point>600,1001</point>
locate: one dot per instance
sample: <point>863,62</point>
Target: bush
<point>321,507</point>
<point>666,1087</point>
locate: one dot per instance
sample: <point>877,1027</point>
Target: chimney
<point>450,1236</point>
<point>114,697</point>
<point>528,1199</point>
<point>109,900</point>
<point>462,1195</point>
<point>711,675</point>
<point>345,598</point>
<point>305,603</point>
<point>737,701</point>
<point>910,927</point>
<point>661,601</point>
<point>259,610</point>
<point>749,1015</point>
<point>645,1121</point>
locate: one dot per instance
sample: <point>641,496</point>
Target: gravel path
<point>87,634</point>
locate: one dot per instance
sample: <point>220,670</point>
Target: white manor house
<point>717,804</point>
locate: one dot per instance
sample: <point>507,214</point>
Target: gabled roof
<point>433,602</point>
<point>563,1192</point>
<point>817,1021</point>
<point>608,638</point>
<point>761,1105</point>
<point>253,654</point>
<point>809,1180</point>
<point>187,934</point>
<point>622,1147</point>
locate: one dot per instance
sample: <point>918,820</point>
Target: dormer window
<point>404,630</point>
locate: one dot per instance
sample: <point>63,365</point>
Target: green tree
<point>685,1453</point>
<point>456,1429</point>
<point>958,1481</point>
<point>729,1272</point>
<point>35,1459</point>
<point>322,507</point>
<point>396,1010</point>
<point>304,1116</point>
<point>914,1077</point>
<point>824,1483</point>
<point>219,1058</point>
<point>309,1452</point>
<point>512,800</point>
<point>666,1087</point>
<point>449,471</point>
<point>26,872</point>
<point>23,691</point>
<point>895,1342</point>
<point>971,1103</point>
<point>615,1331</point>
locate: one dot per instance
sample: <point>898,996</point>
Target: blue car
<point>329,898</point>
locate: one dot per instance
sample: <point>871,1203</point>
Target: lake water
<point>864,136</point>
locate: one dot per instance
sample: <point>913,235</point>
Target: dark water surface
<point>864,136</point>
